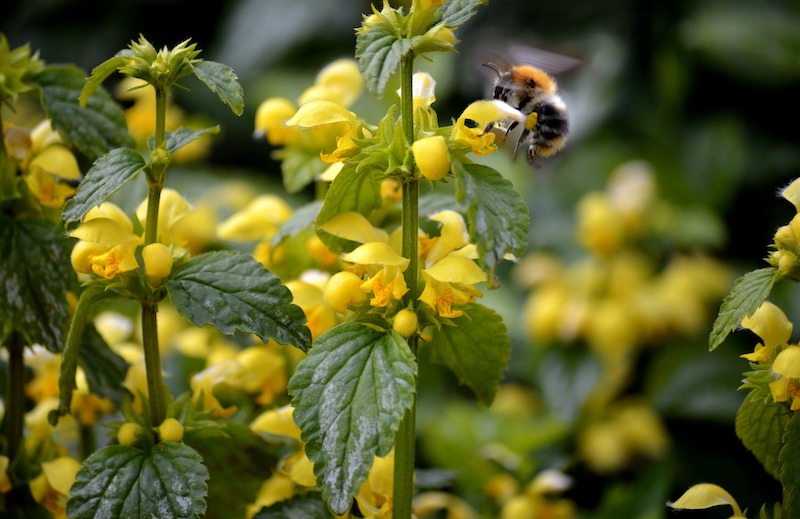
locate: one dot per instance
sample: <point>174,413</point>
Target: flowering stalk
<point>155,183</point>
<point>405,437</point>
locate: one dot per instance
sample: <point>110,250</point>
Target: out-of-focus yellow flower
<point>706,495</point>
<point>5,481</point>
<point>340,81</point>
<point>297,467</point>
<point>540,499</point>
<point>787,387</point>
<point>375,495</point>
<point>330,118</point>
<point>319,316</point>
<point>220,376</point>
<point>601,228</point>
<point>773,327</point>
<point>450,282</point>
<point>631,429</point>
<point>265,369</point>
<point>129,433</point>
<point>470,127</point>
<point>51,488</point>
<point>428,503</point>
<point>86,406</point>
<point>431,156</point>
<point>46,173</point>
<point>107,243</point>
<point>260,219</point>
<point>46,368</point>
<point>276,488</point>
<point>271,117</point>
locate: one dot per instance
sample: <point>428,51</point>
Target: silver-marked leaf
<point>232,291</point>
<point>108,174</point>
<point>35,276</point>
<point>350,394</point>
<point>456,12</point>
<point>497,216</point>
<point>221,80</point>
<point>123,481</point>
<point>477,350</point>
<point>94,129</point>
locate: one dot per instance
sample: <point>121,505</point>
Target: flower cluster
<point>786,243</point>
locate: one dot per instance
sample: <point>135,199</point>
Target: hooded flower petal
<point>470,128</point>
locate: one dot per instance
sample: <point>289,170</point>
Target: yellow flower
<point>339,81</point>
<point>706,495</point>
<point>471,126</point>
<point>46,173</point>
<point>450,282</point>
<point>5,481</point>
<point>330,118</point>
<point>264,372</point>
<point>171,210</point>
<point>342,290</point>
<point>787,386</point>
<point>772,326</point>
<point>453,236</point>
<point>384,269</point>
<point>375,495</point>
<point>354,226</point>
<point>260,219</point>
<point>297,467</point>
<point>271,117</point>
<point>107,243</point>
<point>319,316</point>
<point>423,87</point>
<point>430,154</point>
<point>792,193</point>
<point>157,262</point>
<point>601,228</point>
<point>51,488</point>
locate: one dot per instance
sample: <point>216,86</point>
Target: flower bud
<point>157,262</point>
<point>342,290</point>
<point>431,156</point>
<point>170,430</point>
<point>784,238</point>
<point>129,433</point>
<point>405,323</point>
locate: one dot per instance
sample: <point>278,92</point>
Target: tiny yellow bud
<point>431,156</point>
<point>784,238</point>
<point>170,430</point>
<point>342,290</point>
<point>129,433</point>
<point>157,262</point>
<point>446,35</point>
<point>405,323</point>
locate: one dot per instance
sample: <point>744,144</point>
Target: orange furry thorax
<point>527,74</point>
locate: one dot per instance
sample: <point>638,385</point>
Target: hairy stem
<point>405,439</point>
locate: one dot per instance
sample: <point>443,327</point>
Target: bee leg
<point>522,137</point>
<point>487,129</point>
<point>532,151</point>
<point>510,127</point>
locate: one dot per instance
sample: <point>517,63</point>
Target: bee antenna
<point>494,67</point>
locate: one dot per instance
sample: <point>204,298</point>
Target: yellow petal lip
<point>319,112</point>
<point>792,194</point>
<point>484,112</point>
<point>60,473</point>
<point>355,227</point>
<point>57,159</point>
<point>706,495</point>
<point>456,269</point>
<point>104,231</point>
<point>376,253</point>
<point>770,323</point>
<point>787,363</point>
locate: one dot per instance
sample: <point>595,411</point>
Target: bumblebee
<point>534,92</point>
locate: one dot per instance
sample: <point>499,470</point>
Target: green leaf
<point>477,349</point>
<point>123,481</point>
<point>760,424</point>
<point>350,394</point>
<point>183,136</point>
<point>94,129</point>
<point>238,461</point>
<point>299,167</point>
<point>232,291</point>
<point>221,80</point>
<point>790,472</point>
<point>455,12</point>
<point>496,214</point>
<point>353,189</point>
<point>310,506</point>
<point>101,72</point>
<point>108,174</point>
<point>747,294</point>
<point>35,276</point>
<point>379,50</point>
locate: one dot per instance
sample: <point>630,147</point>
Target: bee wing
<point>550,62</point>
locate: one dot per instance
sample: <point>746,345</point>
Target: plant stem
<point>15,415</point>
<point>405,439</point>
<point>152,356</point>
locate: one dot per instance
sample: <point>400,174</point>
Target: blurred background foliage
<point>698,92</point>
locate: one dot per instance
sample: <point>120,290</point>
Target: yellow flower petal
<point>319,112</point>
<point>456,269</point>
<point>355,227</point>
<point>60,473</point>
<point>376,253</point>
<point>706,495</point>
<point>787,363</point>
<point>277,421</point>
<point>470,128</point>
<point>792,193</point>
<point>58,160</point>
<point>271,117</point>
<point>770,323</point>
